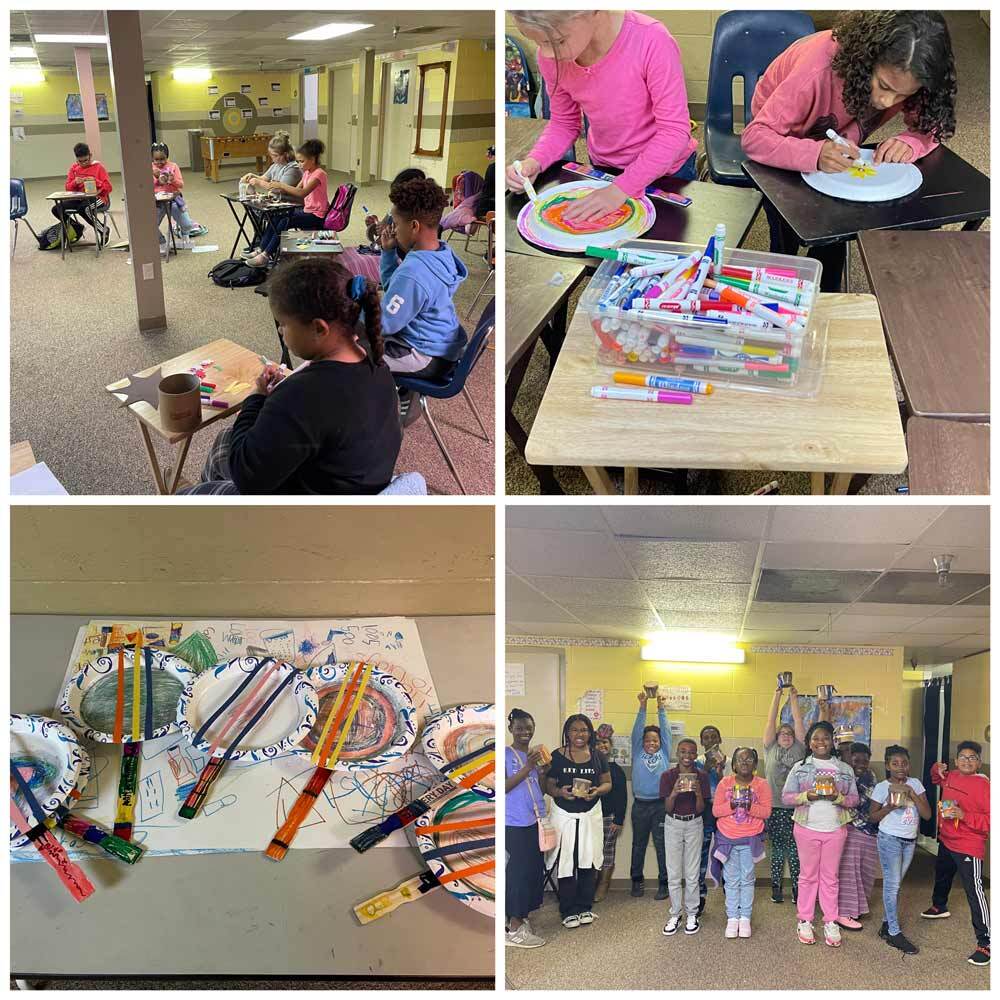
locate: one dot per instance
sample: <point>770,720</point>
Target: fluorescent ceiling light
<point>74,39</point>
<point>29,73</point>
<point>321,34</point>
<point>22,52</point>
<point>692,647</point>
<point>192,74</point>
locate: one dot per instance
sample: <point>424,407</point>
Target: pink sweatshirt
<point>798,98</point>
<point>760,808</point>
<point>635,100</point>
<point>178,181</point>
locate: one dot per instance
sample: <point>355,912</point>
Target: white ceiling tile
<point>960,526</point>
<point>555,628</point>
<point>625,617</point>
<point>568,518</point>
<point>973,642</point>
<point>829,555</point>
<point>697,523</point>
<point>660,559</point>
<point>947,625</point>
<point>537,611</point>
<point>614,632</point>
<point>516,591</point>
<point>964,610</point>
<point>875,623</point>
<point>701,620</point>
<point>568,590</point>
<point>532,552</point>
<point>782,608</point>
<point>860,637</point>
<point>787,619</point>
<point>967,560</point>
<point>701,597</point>
<point>876,524</point>
<point>768,636</point>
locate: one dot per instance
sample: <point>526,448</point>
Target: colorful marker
<point>641,395</point>
<point>722,365</point>
<point>630,256</point>
<point>720,246</point>
<point>664,382</point>
<point>672,274</point>
<point>220,404</point>
<point>749,303</point>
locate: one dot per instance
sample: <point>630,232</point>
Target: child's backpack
<point>50,239</point>
<point>338,216</point>
<point>237,274</point>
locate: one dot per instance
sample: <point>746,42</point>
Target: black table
<point>259,215</point>
<point>710,205</point>
<point>952,191</point>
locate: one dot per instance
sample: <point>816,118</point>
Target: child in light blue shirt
<point>650,759</point>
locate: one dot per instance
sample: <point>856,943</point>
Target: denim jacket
<point>800,781</point>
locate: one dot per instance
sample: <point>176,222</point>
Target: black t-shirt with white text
<point>564,770</point>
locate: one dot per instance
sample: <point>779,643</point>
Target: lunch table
<point>934,295</point>
<point>852,426</point>
<point>59,196</point>
<point>239,915</point>
<point>238,365</point>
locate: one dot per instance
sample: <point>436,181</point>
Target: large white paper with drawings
<point>250,801</point>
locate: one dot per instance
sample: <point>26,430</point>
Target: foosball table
<point>216,148</point>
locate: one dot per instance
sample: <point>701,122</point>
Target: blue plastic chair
<point>18,209</point>
<point>453,384</point>
<point>745,44</point>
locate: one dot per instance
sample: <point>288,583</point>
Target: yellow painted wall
<point>473,88</point>
<point>970,702</point>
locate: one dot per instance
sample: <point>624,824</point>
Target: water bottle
<point>243,190</point>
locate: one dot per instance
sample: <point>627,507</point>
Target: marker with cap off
<point>529,188</point>
<point>841,141</point>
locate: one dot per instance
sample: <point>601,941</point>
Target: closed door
<point>341,122</point>
<point>400,116</point>
<point>310,106</point>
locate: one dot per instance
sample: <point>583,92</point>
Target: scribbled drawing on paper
<point>210,808</point>
<point>151,800</point>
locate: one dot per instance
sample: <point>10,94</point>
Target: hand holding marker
<point>529,188</point>
<point>841,141</point>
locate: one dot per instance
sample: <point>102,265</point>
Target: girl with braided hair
<point>332,425</point>
<point>873,66</point>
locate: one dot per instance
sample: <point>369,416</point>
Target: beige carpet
<point>624,949</point>
<point>73,330</point>
<point>970,42</point>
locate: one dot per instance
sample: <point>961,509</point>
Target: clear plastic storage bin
<point>648,342</point>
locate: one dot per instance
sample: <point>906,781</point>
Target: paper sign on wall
<point>678,699</point>
<point>17,133</point>
<point>277,112</point>
<point>245,88</point>
<point>591,704</point>
<point>676,732</point>
<point>215,116</point>
<point>621,751</point>
<point>213,90</point>
<point>275,88</point>
<point>514,680</point>
<point>230,102</point>
<point>262,101</point>
<point>247,112</point>
<point>16,97</point>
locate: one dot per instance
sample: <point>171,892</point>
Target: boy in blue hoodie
<point>650,759</point>
<point>419,324</point>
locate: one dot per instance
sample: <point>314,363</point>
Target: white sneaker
<point>523,938</point>
<point>571,921</point>
<point>692,925</point>
<point>744,927</point>
<point>587,918</point>
<point>670,927</point>
<point>732,928</point>
<point>831,934</point>
<point>806,933</point>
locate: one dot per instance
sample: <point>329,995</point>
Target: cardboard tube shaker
<point>180,402</point>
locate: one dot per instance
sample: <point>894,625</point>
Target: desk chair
<point>18,209</point>
<point>452,384</point>
<point>491,256</point>
<point>745,43</point>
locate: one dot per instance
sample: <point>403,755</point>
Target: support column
<point>128,79</point>
<point>88,98</point>
<point>366,96</point>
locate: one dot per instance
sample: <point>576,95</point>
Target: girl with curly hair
<point>874,65</point>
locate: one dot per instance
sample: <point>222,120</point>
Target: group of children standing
<point>818,802</point>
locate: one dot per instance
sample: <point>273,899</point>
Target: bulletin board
<point>854,710</point>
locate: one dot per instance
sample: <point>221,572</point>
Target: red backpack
<point>338,216</point>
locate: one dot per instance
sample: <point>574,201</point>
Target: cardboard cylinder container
<point>180,402</point>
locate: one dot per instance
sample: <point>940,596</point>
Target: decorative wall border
<point>556,641</point>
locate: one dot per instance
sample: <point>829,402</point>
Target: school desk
<point>952,191</point>
<point>933,291</point>
<point>216,148</point>
<point>167,198</point>
<point>237,364</point>
<point>852,425</point>
<point>539,293</point>
<point>58,196</point>
<point>259,214</point>
<point>948,457</point>
<point>240,915</point>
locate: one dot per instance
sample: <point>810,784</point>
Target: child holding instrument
<point>716,765</point>
<point>614,811</point>
<point>963,826</point>
<point>622,69</point>
<point>332,425</point>
<point>85,168</point>
<point>283,168</point>
<point>167,178</point>
<point>650,760</point>
<point>859,864</point>
<point>873,65</point>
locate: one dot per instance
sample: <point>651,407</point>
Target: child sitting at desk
<point>423,334</point>
<point>85,167</point>
<point>332,425</point>
<point>874,65</point>
<point>312,189</point>
<point>167,178</point>
<point>283,167</point>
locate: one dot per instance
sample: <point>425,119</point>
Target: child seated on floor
<point>422,333</point>
<point>167,179</point>
<point>85,167</point>
<point>332,425</point>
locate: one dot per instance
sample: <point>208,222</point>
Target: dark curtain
<point>935,747</point>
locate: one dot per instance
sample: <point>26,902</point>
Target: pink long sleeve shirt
<point>799,97</point>
<point>760,808</point>
<point>635,99</point>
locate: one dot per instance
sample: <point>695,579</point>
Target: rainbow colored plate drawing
<point>542,224</point>
<point>460,731</point>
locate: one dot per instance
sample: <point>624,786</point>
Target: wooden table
<point>934,295</point>
<point>21,457</point>
<point>948,457</point>
<point>59,196</point>
<point>534,302</point>
<point>237,363</point>
<point>710,205</point>
<point>852,425</point>
<point>216,148</point>
<point>952,191</point>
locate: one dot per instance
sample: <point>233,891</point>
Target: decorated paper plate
<point>542,223</point>
<point>457,733</point>
<point>439,854</point>
<point>89,700</point>
<point>287,722</point>
<point>50,760</point>
<point>384,728</point>
<point>874,183</point>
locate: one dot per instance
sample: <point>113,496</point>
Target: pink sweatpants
<point>819,861</point>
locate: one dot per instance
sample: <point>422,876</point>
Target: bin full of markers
<point>739,319</point>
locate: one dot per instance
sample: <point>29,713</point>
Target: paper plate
<point>384,728</point>
<point>50,760</point>
<point>891,180</point>
<point>460,731</point>
<point>88,702</point>
<point>478,891</point>
<point>284,726</point>
<point>540,222</point>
